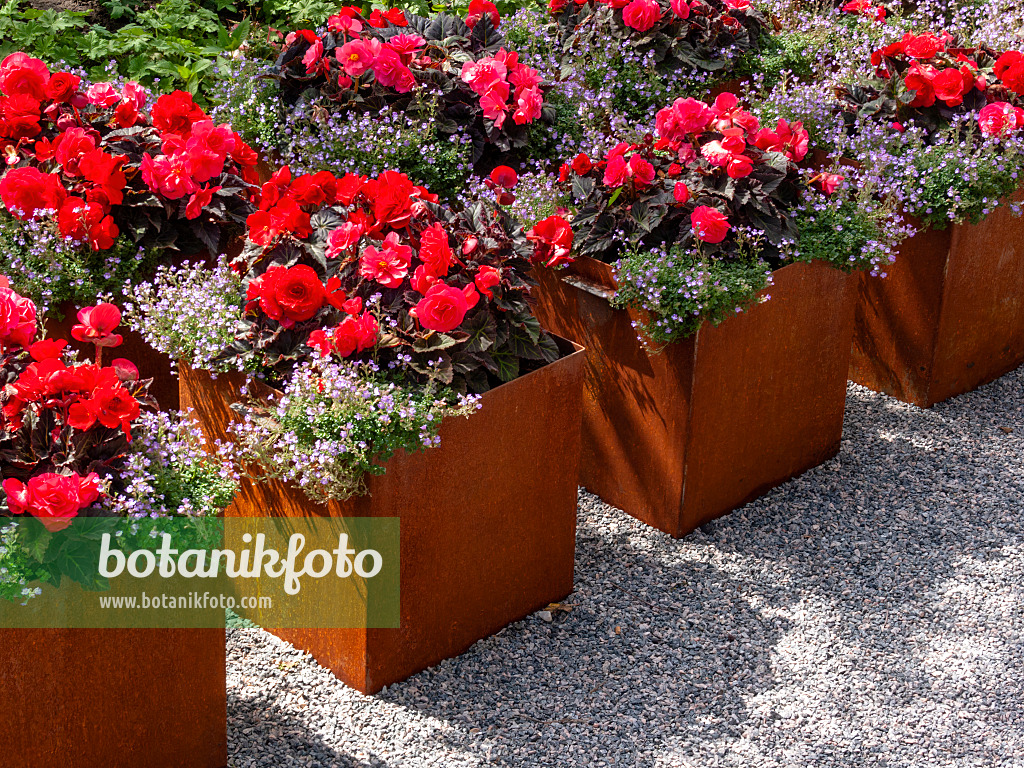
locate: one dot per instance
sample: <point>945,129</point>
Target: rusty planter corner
<point>488,521</point>
<point>117,698</point>
<point>681,436</point>
<point>950,315</point>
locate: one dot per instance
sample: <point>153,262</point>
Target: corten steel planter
<point>680,436</point>
<point>151,364</point>
<point>266,166</point>
<point>949,316</point>
<point>732,85</point>
<point>117,698</point>
<point>488,521</point>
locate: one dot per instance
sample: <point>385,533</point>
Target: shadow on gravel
<point>867,612</point>
<point>667,655</point>
<point>892,551</point>
<point>913,497</point>
<point>275,737</point>
<point>657,641</point>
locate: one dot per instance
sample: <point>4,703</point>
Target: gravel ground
<point>868,613</point>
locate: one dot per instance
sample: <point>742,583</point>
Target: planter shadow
<point>628,661</point>
<point>679,436</point>
<point>488,520</point>
<point>266,722</point>
<point>809,606</point>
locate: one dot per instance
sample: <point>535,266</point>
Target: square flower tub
<point>949,316</point>
<point>487,518</point>
<point>679,436</point>
<point>117,698</point>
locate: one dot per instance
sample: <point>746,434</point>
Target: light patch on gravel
<point>868,613</point>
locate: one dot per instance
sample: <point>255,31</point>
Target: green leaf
<point>481,329</point>
<point>549,349</point>
<point>507,365</point>
<point>78,560</point>
<point>34,538</point>
<point>239,33</point>
<point>433,342</point>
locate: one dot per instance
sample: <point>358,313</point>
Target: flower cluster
<point>97,166</point>
<point>707,209</point>
<point>712,168</point>
<point>501,80</point>
<point>673,41</point>
<point>938,128</point>
<point>170,470</point>
<point>188,312</point>
<point>55,271</point>
<point>376,310</point>
<point>374,268</point>
<point>456,72</point>
<point>61,425</point>
<point>75,443</point>
<point>589,92</point>
<point>165,480</point>
<point>60,419</point>
<point>678,290</point>
<point>52,498</point>
<point>310,136</point>
<point>867,9</point>
<point>929,79</point>
<point>940,177</point>
<point>337,421</point>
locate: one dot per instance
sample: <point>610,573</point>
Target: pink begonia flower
<point>641,15</point>
<point>357,56</point>
<point>1000,119</point>
<point>102,95</point>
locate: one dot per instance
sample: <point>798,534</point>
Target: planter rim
<point>598,277</point>
<point>602,274</point>
<point>569,349</point>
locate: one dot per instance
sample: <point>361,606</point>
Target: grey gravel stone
<point>868,613</point>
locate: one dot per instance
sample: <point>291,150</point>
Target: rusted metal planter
<point>488,521</point>
<point>732,85</point>
<point>949,316</point>
<point>117,698</point>
<point>151,364</point>
<point>681,436</point>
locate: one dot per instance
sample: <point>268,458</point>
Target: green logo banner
<point>279,573</point>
